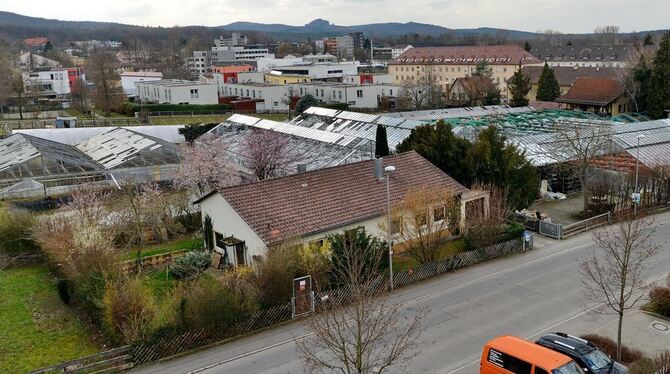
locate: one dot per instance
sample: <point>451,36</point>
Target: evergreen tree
<point>438,144</point>
<point>381,142</point>
<point>492,161</point>
<point>642,78</point>
<point>658,98</point>
<point>304,103</point>
<point>648,40</point>
<point>547,87</point>
<point>527,46</point>
<point>519,86</point>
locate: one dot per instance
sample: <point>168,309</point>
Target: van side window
<point>540,371</point>
<point>507,362</point>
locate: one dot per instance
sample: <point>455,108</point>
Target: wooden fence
<point>151,262</point>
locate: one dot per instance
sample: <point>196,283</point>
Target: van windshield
<point>569,368</point>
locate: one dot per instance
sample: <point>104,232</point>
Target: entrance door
<point>239,254</point>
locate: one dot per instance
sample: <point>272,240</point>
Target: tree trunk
<point>618,337</point>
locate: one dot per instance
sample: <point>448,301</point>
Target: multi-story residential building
<point>340,46</point>
<point>447,64</point>
<point>129,78</point>
<point>199,63</point>
<point>319,58</point>
<point>174,91</point>
<point>385,54</point>
<point>358,96</point>
<point>227,54</point>
<point>590,55</point>
<point>358,39</point>
<point>278,77</point>
<point>323,72</point>
<point>236,39</point>
<point>52,83</point>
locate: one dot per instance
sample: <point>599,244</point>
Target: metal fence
<point>175,343</point>
<point>550,229</point>
<point>170,342</point>
<point>587,224</point>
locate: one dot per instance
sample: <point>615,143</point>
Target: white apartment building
<point>199,63</point>
<point>389,53</point>
<point>129,78</point>
<point>357,96</point>
<point>222,54</point>
<point>174,91</point>
<point>345,46</point>
<point>274,97</point>
<point>53,82</point>
<point>321,71</point>
<point>364,78</point>
<point>236,39</point>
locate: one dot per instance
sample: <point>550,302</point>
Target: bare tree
<point>108,92</point>
<point>11,82</point>
<point>423,220</point>
<point>608,34</point>
<point>614,275</point>
<point>554,37</point>
<point>362,332</point>
<point>269,153</point>
<point>205,166</point>
<point>424,90</point>
<point>579,146</point>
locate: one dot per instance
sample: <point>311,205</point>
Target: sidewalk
<point>648,333</point>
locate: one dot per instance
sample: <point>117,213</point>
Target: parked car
<point>584,353</point>
<point>513,355</point>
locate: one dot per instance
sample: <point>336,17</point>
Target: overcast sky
<point>529,15</point>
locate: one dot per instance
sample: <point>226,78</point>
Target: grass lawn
<point>188,242</point>
<point>36,328</point>
<point>185,120</point>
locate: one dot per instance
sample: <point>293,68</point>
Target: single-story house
<point>597,95</point>
<point>248,218</point>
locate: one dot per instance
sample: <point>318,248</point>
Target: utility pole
<point>389,169</point>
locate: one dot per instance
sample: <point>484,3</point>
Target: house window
<point>396,225</point>
<point>359,93</point>
<point>317,242</point>
<point>275,104</point>
<point>194,93</point>
<point>339,95</point>
<point>218,239</point>
<point>439,213</point>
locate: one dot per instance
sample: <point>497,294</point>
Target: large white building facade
<point>173,91</point>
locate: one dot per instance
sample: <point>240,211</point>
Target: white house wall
<point>227,222</point>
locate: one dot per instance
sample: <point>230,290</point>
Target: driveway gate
<point>552,230</point>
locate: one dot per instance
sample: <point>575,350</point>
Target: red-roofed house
<point>39,42</point>
<point>598,95</point>
<point>308,206</point>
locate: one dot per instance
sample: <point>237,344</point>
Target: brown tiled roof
<point>592,91</point>
<point>315,201</point>
<point>35,42</point>
<point>476,86</point>
<point>466,55</point>
<point>567,75</point>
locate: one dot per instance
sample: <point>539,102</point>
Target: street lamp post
<point>637,171</point>
<point>388,170</point>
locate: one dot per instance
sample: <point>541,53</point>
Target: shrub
<point>128,310</point>
<point>275,273</point>
<point>659,364</point>
<point>208,304</point>
<point>374,250</point>
<point>660,300</point>
<point>16,232</point>
<point>190,264</point>
<point>607,345</point>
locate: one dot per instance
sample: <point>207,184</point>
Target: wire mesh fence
<point>172,342</point>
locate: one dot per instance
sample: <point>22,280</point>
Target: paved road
<point>524,295</point>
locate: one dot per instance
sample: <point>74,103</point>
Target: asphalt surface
<point>524,295</point>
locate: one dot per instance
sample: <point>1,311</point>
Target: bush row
<point>129,109</point>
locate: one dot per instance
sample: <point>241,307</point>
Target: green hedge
<point>132,107</point>
<point>336,106</point>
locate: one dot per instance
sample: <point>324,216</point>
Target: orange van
<point>512,355</point>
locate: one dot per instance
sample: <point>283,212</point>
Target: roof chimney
<point>379,168</point>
